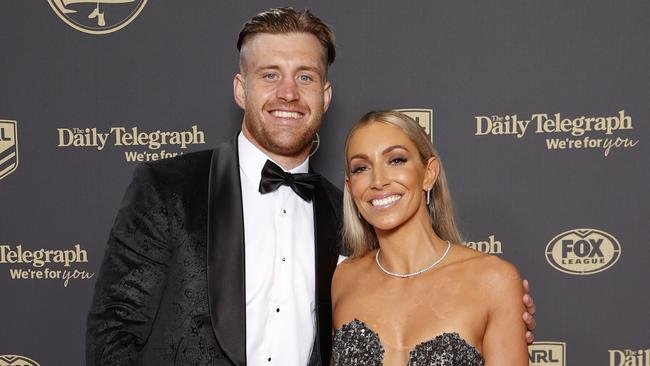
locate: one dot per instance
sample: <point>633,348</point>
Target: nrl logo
<point>15,360</point>
<point>547,354</point>
<point>424,117</point>
<point>8,147</point>
<point>97,16</point>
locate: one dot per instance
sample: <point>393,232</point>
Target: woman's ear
<point>431,172</point>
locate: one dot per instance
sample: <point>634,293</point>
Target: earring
<point>428,197</point>
<point>432,212</point>
<point>315,141</point>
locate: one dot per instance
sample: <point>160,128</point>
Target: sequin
<point>356,344</point>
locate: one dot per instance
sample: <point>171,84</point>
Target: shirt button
<point>277,310</point>
<point>284,259</point>
<point>284,211</point>
<point>269,359</point>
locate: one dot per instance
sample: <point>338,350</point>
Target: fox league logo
<point>8,147</point>
<point>583,251</point>
<point>97,16</point>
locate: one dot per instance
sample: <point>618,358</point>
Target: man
<point>220,257</point>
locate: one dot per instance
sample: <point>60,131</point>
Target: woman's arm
<point>504,341</point>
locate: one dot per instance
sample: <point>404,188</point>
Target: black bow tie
<point>273,177</point>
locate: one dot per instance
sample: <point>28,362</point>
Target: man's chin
<point>288,143</point>
<point>288,150</point>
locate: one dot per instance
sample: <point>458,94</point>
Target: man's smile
<point>286,114</point>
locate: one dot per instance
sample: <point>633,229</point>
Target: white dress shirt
<point>280,266</point>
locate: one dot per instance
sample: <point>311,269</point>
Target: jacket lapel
<point>225,257</point>
<point>326,232</point>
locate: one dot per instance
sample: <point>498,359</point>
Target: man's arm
<point>132,276</point>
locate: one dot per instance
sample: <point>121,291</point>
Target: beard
<point>281,140</point>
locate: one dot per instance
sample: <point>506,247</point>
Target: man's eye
<point>305,78</point>
<point>270,76</point>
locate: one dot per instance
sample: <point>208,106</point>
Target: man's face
<point>283,91</point>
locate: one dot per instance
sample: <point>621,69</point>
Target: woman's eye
<point>358,169</point>
<point>398,161</point>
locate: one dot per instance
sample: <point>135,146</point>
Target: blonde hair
<point>359,236</point>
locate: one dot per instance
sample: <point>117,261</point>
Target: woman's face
<point>387,178</point>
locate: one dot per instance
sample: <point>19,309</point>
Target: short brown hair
<point>288,20</point>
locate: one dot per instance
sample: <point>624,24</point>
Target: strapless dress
<point>356,344</point>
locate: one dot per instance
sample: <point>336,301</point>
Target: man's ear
<point>239,91</point>
<point>327,95</point>
<point>431,172</point>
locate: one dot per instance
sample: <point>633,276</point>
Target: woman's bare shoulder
<point>485,270</point>
<point>347,272</point>
<point>497,276</point>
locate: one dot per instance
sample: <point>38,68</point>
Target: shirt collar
<point>252,160</point>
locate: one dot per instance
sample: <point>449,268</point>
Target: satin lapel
<point>326,232</point>
<point>225,260</point>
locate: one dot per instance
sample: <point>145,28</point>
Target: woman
<point>410,293</point>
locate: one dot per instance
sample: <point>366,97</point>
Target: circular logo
<point>97,16</point>
<point>583,251</point>
<point>15,360</point>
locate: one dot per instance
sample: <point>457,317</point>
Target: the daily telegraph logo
<point>45,264</point>
<point>489,246</point>
<point>8,147</point>
<point>547,354</point>
<point>583,251</point>
<point>424,117</point>
<point>16,360</point>
<point>562,132</point>
<point>629,357</point>
<point>154,141</point>
<point>97,16</point>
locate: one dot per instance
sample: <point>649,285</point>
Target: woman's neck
<point>410,247</point>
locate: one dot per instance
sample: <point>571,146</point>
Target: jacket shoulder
<point>331,190</point>
<point>187,169</point>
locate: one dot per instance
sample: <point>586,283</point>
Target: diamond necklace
<point>407,275</point>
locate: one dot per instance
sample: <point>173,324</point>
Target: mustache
<point>293,107</point>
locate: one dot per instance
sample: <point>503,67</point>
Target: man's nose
<point>288,90</point>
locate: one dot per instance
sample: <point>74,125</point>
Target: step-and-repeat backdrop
<point>539,109</point>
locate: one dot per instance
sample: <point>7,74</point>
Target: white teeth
<point>386,200</point>
<point>285,114</point>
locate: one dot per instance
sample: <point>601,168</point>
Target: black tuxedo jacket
<point>170,290</point>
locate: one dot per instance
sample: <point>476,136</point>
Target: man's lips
<point>288,114</point>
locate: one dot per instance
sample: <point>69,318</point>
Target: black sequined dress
<point>356,344</point>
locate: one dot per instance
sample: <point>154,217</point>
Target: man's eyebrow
<point>267,67</point>
<point>314,69</point>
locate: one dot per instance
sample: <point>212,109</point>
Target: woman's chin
<point>385,225</point>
